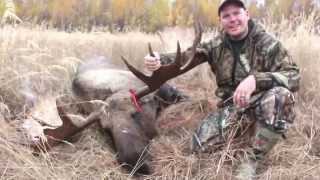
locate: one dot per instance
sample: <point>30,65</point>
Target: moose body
<point>131,130</point>
<point>98,79</point>
<point>103,91</point>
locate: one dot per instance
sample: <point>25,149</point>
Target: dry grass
<point>44,61</point>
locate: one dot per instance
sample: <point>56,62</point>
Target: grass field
<point>43,62</point>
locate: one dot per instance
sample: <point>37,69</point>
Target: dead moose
<point>105,93</point>
<point>119,100</point>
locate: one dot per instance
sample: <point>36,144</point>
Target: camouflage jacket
<point>261,55</point>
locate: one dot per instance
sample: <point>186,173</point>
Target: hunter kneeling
<point>255,77</point>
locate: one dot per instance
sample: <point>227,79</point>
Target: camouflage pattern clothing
<point>277,77</point>
<point>271,115</point>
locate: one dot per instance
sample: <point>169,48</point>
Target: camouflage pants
<point>271,114</point>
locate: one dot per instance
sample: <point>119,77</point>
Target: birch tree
<point>9,14</point>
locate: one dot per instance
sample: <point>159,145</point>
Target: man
<point>254,74</point>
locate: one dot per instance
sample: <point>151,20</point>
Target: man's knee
<point>275,109</point>
<point>209,134</point>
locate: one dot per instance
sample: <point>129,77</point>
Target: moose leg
<point>130,143</point>
<point>69,126</point>
<point>129,137</point>
<point>132,150</point>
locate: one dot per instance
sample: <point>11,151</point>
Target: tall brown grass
<point>44,61</point>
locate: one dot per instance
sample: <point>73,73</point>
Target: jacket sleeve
<point>283,71</point>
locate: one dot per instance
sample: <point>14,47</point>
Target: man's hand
<point>152,63</point>
<point>242,94</point>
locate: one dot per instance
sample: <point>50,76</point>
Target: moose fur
<point>105,88</point>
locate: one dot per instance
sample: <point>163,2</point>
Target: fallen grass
<point>33,60</point>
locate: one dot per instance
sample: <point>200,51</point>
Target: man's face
<point>234,21</point>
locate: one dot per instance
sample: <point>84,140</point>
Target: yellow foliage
<point>159,15</point>
<point>9,13</point>
<point>148,14</point>
<point>62,8</point>
<point>118,9</point>
<point>95,7</point>
<point>209,11</point>
<point>183,12</point>
<point>129,12</point>
<point>253,9</point>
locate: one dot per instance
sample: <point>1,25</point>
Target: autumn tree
<point>157,16</point>
<point>9,12</point>
<point>209,12</point>
<point>62,12</point>
<point>181,12</point>
<point>254,10</point>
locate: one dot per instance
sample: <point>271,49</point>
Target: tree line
<point>146,15</point>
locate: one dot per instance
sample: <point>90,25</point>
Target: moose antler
<point>166,72</point>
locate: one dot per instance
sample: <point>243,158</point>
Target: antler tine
<point>144,90</point>
<point>178,55</point>
<point>198,34</point>
<point>150,50</point>
<point>196,41</point>
<point>136,72</point>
